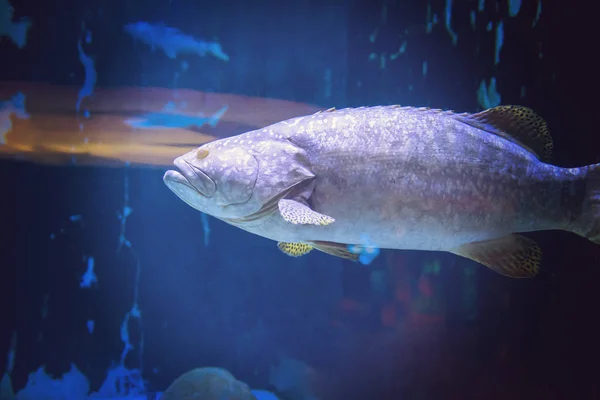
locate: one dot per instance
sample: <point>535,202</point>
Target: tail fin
<point>18,32</point>
<point>589,224</point>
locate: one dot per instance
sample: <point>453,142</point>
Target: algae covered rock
<point>208,383</point>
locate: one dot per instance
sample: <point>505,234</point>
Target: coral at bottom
<point>122,383</point>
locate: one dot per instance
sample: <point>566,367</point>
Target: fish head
<point>216,180</point>
<point>242,177</point>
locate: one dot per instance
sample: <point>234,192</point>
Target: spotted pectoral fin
<point>514,256</point>
<point>295,249</point>
<point>296,213</point>
<point>335,249</point>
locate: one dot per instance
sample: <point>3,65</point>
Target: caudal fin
<point>589,223</point>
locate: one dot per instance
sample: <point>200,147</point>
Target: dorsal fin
<point>518,124</point>
<point>429,110</point>
<point>324,111</point>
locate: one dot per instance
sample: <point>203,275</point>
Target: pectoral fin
<point>514,256</point>
<point>296,213</point>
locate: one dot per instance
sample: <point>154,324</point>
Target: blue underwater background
<point>111,287</point>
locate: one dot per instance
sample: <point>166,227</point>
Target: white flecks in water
<point>89,277</point>
<point>90,326</point>
<point>522,91</point>
<point>488,97</point>
<point>205,228</point>
<point>73,218</point>
<point>373,36</point>
<point>513,7</point>
<point>401,50</point>
<point>90,74</point>
<point>473,19</point>
<point>537,14</point>
<point>448,17</point>
<point>489,26</point>
<point>481,5</point>
<point>431,19</point>
<point>499,41</point>
<point>424,68</point>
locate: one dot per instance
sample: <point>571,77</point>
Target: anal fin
<point>336,249</point>
<point>294,249</point>
<point>331,248</point>
<point>514,256</point>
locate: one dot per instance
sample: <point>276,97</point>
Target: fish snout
<point>195,178</point>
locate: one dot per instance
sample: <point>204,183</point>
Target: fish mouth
<point>181,187</point>
<point>189,178</point>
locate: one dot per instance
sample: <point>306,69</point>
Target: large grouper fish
<point>406,178</point>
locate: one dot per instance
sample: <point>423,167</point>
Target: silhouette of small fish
<point>172,41</point>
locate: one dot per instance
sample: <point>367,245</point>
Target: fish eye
<point>201,154</point>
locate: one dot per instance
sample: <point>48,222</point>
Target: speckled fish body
<point>408,178</point>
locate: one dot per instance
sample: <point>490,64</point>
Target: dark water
<point>411,325</point>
